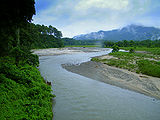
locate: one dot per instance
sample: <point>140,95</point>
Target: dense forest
<point>71,41</point>
<point>40,36</point>
<point>24,95</point>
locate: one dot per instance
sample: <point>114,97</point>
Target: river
<point>81,98</point>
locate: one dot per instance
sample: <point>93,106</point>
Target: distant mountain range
<point>130,32</point>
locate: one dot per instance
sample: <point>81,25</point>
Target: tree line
<point>40,36</point>
<point>131,43</point>
<point>16,29</point>
<point>29,36</point>
<point>71,41</point>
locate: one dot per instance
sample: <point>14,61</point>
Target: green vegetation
<point>40,36</point>
<point>131,43</point>
<point>115,48</point>
<point>82,46</point>
<point>137,62</point>
<point>23,92</point>
<point>80,43</point>
<point>154,50</point>
<point>148,67</point>
<point>143,56</point>
<point>24,95</point>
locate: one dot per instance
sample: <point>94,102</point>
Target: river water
<point>81,98</point>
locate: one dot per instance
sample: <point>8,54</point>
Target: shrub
<point>151,68</point>
<point>95,59</point>
<point>23,92</point>
<point>22,57</point>
<point>131,50</point>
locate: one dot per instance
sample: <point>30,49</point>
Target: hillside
<point>130,32</point>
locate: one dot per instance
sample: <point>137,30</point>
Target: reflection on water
<point>81,98</point>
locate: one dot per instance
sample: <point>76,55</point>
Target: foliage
<point>40,36</point>
<point>13,17</point>
<point>115,48</point>
<point>23,93</point>
<point>73,42</point>
<point>151,68</point>
<point>136,62</point>
<point>95,59</point>
<point>22,57</point>
<point>82,46</point>
<point>155,51</point>
<point>31,36</point>
<point>131,43</point>
<point>131,50</point>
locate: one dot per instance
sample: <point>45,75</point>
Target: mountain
<point>130,32</point>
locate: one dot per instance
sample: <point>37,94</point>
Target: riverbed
<point>82,98</point>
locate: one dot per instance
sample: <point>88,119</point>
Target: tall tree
<point>14,14</point>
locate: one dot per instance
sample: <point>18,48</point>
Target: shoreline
<point>122,78</point>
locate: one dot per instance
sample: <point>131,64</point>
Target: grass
<point>82,46</point>
<point>151,68</point>
<point>136,62</point>
<point>23,93</point>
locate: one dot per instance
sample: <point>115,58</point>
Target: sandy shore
<point>147,85</point>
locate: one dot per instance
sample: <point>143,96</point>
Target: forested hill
<point>130,32</point>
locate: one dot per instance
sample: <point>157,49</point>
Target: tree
<point>125,43</point>
<point>115,48</point>
<point>13,17</point>
<point>131,50</point>
<point>131,43</point>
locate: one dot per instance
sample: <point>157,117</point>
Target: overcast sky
<point>74,17</point>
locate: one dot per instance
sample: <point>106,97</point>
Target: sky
<point>75,17</point>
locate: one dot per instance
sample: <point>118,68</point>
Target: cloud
<point>87,26</point>
<point>111,4</point>
<point>75,17</point>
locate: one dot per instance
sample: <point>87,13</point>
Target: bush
<point>151,68</point>
<point>95,59</point>
<point>131,50</point>
<point>23,92</point>
<point>22,57</point>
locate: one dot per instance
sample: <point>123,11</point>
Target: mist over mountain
<point>130,32</point>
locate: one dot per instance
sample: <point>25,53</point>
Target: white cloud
<point>87,26</point>
<point>75,17</point>
<point>110,4</point>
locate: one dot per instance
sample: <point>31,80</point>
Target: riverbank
<point>111,75</point>
<point>119,77</point>
<point>144,84</point>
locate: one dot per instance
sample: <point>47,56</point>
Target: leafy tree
<point>131,43</point>
<point>131,50</point>
<point>115,48</point>
<point>125,43</point>
<point>13,17</point>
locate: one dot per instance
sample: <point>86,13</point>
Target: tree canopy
<point>13,16</point>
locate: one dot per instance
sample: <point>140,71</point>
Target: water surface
<point>81,98</point>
